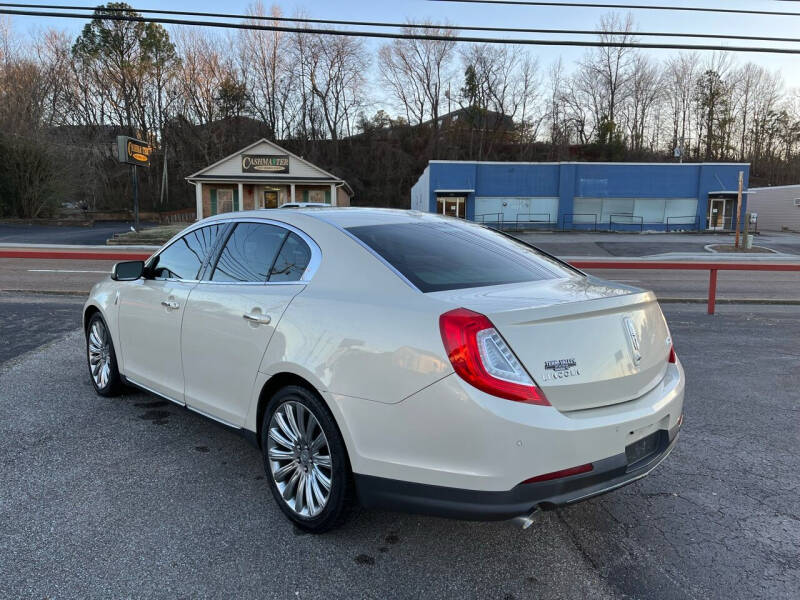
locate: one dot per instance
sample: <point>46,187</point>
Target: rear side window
<point>292,260</point>
<point>183,258</point>
<point>249,253</point>
<point>448,256</point>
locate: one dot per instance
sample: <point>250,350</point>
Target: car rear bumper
<point>607,474</point>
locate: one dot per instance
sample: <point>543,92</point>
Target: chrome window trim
<point>208,281</point>
<point>366,246</point>
<point>305,278</point>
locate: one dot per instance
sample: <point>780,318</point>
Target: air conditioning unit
<point>797,201</point>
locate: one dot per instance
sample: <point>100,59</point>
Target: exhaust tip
<point>527,520</point>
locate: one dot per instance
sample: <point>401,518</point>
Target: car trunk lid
<point>586,342</point>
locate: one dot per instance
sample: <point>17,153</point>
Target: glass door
<point>716,214</point>
<point>270,198</point>
<point>452,206</point>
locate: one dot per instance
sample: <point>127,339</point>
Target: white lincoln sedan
<point>406,360</point>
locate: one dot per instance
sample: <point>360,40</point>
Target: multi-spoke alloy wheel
<point>299,459</point>
<point>99,353</point>
<point>101,358</point>
<point>306,459</point>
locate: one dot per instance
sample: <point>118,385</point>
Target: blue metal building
<point>581,195</point>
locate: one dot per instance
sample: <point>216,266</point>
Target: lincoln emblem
<point>630,327</point>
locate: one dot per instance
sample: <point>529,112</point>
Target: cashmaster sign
<point>133,151</point>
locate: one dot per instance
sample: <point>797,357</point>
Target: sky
<point>516,16</point>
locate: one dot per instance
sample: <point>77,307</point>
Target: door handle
<point>170,304</point>
<point>257,318</point>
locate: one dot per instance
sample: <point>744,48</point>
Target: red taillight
<point>559,474</point>
<point>672,358</point>
<point>461,330</point>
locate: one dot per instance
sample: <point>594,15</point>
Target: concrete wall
<point>775,207</point>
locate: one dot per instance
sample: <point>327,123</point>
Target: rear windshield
<point>447,256</point>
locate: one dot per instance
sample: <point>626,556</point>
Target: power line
<point>411,25</point>
<point>407,36</point>
<point>558,3</point>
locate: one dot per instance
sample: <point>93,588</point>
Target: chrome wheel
<point>99,348</point>
<point>299,459</point>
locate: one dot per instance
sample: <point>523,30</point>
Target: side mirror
<point>129,270</point>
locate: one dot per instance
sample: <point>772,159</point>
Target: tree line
<point>373,118</point>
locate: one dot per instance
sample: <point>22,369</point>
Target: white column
<point>333,194</point>
<point>291,193</point>
<point>241,196</point>
<point>198,193</point>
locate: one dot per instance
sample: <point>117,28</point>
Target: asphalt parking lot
<point>134,497</point>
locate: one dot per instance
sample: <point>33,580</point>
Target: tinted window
<point>184,257</point>
<point>447,256</point>
<point>292,260</point>
<point>249,253</point>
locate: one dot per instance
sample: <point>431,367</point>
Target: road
<point>97,234</point>
<point>694,284</point>
<point>43,275</point>
<point>136,497</point>
<point>79,276</point>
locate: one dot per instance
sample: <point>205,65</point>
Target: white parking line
<point>62,271</point>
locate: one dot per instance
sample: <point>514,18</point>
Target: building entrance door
<point>452,206</point>
<point>716,214</point>
<point>270,199</point>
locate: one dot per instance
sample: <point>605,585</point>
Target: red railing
<point>712,268</point>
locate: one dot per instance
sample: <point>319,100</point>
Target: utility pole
<point>739,207</point>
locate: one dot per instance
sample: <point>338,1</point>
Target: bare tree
<point>418,72</point>
<point>556,105</point>
<point>203,70</point>
<point>610,67</point>
<point>268,72</point>
<point>645,90</point>
<point>679,80</point>
<point>334,71</point>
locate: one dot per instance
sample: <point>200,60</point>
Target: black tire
<point>112,384</point>
<point>339,497</point>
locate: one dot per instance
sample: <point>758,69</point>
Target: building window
<point>635,210</point>
<point>225,200</point>
<point>316,196</point>
<point>516,209</point>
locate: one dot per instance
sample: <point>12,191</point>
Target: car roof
<point>341,217</point>
<point>354,217</point>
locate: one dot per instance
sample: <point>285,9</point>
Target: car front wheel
<point>101,357</point>
<point>305,460</point>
